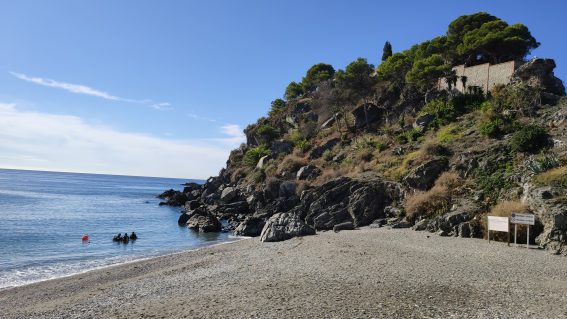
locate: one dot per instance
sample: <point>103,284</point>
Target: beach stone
<point>343,226</point>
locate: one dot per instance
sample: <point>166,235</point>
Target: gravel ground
<point>367,273</point>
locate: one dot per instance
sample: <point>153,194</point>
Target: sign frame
<point>499,223</point>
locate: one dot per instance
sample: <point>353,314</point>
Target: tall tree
<point>356,82</point>
<point>316,75</point>
<point>293,91</point>
<point>386,51</point>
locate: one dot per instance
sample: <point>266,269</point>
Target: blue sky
<point>164,88</point>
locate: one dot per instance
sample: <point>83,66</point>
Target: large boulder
<point>422,122</point>
<point>366,115</point>
<point>250,227</point>
<point>283,226</point>
<point>359,200</point>
<point>307,172</point>
<point>551,211</point>
<point>174,198</point>
<point>423,176</point>
<point>319,150</point>
<point>202,220</point>
<point>281,147</point>
<point>539,73</point>
<point>228,194</point>
<point>287,189</point>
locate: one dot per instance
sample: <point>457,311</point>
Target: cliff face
<point>440,166</point>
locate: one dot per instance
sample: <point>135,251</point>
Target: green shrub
<point>254,154</point>
<point>268,132</point>
<point>530,139</point>
<point>492,181</point>
<point>303,145</point>
<point>328,155</point>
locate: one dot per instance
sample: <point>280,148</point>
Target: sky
<point>165,88</point>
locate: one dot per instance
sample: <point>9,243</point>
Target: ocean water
<point>43,216</point>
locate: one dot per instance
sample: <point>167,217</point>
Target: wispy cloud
<point>87,90</point>
<point>201,118</point>
<point>34,140</point>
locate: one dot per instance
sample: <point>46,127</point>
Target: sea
<point>44,215</point>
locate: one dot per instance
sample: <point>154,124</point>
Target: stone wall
<point>485,76</point>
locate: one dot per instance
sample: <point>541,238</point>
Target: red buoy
<point>85,237</point>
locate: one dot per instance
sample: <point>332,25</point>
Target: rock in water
<point>283,226</point>
<point>202,220</point>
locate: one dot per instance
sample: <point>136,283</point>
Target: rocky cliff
<point>398,155</point>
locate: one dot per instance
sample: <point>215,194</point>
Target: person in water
<point>133,236</point>
<point>117,237</point>
<point>125,238</point>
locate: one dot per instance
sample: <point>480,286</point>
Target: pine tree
<point>387,51</point>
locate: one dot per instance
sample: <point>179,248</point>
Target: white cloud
<point>32,140</point>
<point>86,90</point>
<point>234,132</point>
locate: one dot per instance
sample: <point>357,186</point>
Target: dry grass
<point>239,174</point>
<point>290,164</point>
<point>436,200</point>
<point>556,176</point>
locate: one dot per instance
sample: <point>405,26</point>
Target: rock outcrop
<point>284,226</point>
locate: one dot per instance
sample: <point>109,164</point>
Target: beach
<point>366,273</point>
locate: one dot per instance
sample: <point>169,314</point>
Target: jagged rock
<point>183,218</point>
<point>203,221</point>
<point>263,161</point>
<point>364,117</point>
<point>287,189</point>
<point>422,122</point>
<point>191,205</point>
<point>539,73</point>
<point>167,194</point>
<point>400,223</point>
<point>423,176</point>
<point>176,199</point>
<point>251,227</point>
<point>228,194</point>
<point>343,226</point>
<point>281,147</point>
<point>307,172</point>
<point>271,189</point>
<point>319,150</point>
<point>551,213</point>
<point>391,211</point>
<point>344,199</point>
<point>235,208</point>
<point>420,225</point>
<point>284,226</point>
<point>190,187</point>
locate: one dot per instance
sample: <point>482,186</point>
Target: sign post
<point>497,223</point>
<point>523,219</point>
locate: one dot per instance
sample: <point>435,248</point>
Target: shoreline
<point>134,260</point>
<point>378,273</point>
